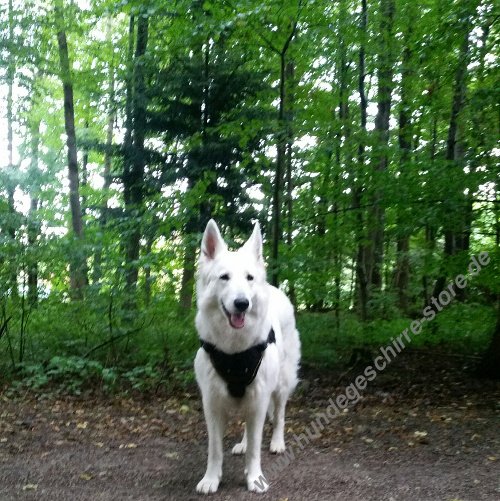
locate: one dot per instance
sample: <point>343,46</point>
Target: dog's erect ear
<point>254,243</point>
<point>212,242</point>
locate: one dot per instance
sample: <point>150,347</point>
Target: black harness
<point>238,369</point>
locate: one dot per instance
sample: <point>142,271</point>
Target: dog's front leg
<point>256,482</point>
<point>215,420</point>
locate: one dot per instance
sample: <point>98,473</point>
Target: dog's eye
<point>249,277</point>
<point>225,276</point>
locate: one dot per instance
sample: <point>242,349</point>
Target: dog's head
<point>232,283</point>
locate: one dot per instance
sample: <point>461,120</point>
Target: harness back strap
<point>238,369</point>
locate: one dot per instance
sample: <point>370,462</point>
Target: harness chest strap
<point>238,369</point>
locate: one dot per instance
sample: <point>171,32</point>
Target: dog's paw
<point>207,485</point>
<point>277,447</point>
<point>239,449</point>
<point>257,484</point>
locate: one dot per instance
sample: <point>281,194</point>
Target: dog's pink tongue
<point>237,320</point>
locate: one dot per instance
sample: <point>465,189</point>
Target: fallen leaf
<point>86,476</point>
<point>30,487</point>
<point>82,426</point>
<point>420,434</point>
<point>128,446</point>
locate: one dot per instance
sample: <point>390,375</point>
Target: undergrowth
<point>71,348</point>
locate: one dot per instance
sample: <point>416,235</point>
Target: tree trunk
<point>385,74</point>
<point>10,119</point>
<point>129,119</point>
<point>188,273</point>
<point>148,281</point>
<point>103,219</point>
<point>282,139</point>
<point>279,176</point>
<point>199,215</point>
<point>454,154</point>
<point>85,173</point>
<point>33,225</point>
<point>401,277</point>
<point>128,146</point>
<point>33,232</point>
<point>490,363</point>
<point>361,268</point>
<point>430,231</point>
<point>134,181</point>
<point>430,244</point>
<point>479,135</point>
<point>402,272</point>
<point>78,271</point>
<point>289,176</point>
<point>343,140</point>
<point>11,178</point>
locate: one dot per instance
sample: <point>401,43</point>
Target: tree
<point>385,74</point>
<point>108,154</point>
<point>133,175</point>
<point>404,226</point>
<point>33,229</point>
<point>362,279</point>
<point>202,106</point>
<point>11,186</point>
<point>78,268</point>
<point>361,135</point>
<point>453,227</point>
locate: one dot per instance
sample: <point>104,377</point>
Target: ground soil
<point>425,429</point>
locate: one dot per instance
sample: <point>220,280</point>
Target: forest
<point>361,134</point>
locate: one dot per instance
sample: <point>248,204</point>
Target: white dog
<point>250,352</point>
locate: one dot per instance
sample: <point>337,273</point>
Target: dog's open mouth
<point>236,320</point>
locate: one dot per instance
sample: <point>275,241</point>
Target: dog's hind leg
<point>241,447</point>
<point>270,411</point>
<point>278,437</point>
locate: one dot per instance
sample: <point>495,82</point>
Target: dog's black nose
<point>241,304</point>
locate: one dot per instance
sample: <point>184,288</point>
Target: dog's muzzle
<point>237,319</point>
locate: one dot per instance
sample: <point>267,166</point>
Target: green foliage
<point>457,329</point>
<point>65,374</point>
<point>184,124</point>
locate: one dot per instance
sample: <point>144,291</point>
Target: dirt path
<point>416,435</point>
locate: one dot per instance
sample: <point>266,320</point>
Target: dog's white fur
<point>224,276</point>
